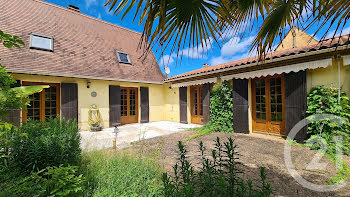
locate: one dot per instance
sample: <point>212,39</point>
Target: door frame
<point>268,123</point>
<point>196,119</point>
<point>42,99</point>
<point>130,119</point>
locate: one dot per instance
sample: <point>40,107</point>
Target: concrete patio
<point>127,134</point>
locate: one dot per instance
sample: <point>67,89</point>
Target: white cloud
<point>234,49</point>
<point>166,60</point>
<point>198,51</point>
<point>235,45</point>
<point>344,32</point>
<point>88,3</point>
<point>99,16</point>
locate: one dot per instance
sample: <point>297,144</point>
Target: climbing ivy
<point>221,109</point>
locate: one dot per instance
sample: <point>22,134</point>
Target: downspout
<point>339,86</point>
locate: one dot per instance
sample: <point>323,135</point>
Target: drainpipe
<point>339,86</point>
<point>294,37</point>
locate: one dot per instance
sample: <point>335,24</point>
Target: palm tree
<point>189,23</point>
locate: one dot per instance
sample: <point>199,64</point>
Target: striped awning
<point>279,70</point>
<point>197,82</point>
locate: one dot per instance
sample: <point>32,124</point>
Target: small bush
<point>59,181</point>
<point>121,174</point>
<point>38,145</point>
<point>218,176</point>
<point>324,100</point>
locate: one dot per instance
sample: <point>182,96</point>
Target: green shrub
<point>52,181</point>
<point>218,176</point>
<point>38,145</point>
<point>59,181</point>
<point>121,174</point>
<point>324,100</point>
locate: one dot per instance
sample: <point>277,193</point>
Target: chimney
<point>74,8</point>
<point>205,65</point>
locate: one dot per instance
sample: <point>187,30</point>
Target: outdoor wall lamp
<point>88,84</point>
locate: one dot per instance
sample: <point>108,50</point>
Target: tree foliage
<point>170,23</point>
<point>13,98</point>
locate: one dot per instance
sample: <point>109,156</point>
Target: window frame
<point>127,55</point>
<point>39,48</point>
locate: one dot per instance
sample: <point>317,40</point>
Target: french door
<point>43,105</point>
<point>196,104</point>
<point>268,105</point>
<point>129,105</point>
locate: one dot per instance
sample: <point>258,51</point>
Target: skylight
<point>123,57</point>
<point>39,42</point>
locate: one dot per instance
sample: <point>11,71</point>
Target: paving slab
<point>127,134</point>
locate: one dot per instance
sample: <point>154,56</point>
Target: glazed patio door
<point>196,104</point>
<point>129,105</point>
<point>268,105</point>
<point>43,105</point>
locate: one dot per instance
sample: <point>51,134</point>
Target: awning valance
<point>346,60</point>
<point>279,70</point>
<point>197,82</point>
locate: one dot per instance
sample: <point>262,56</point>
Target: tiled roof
<point>83,46</point>
<point>328,43</point>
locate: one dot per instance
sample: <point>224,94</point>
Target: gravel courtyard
<point>256,151</point>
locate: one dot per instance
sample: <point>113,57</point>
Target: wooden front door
<point>129,105</point>
<point>43,105</point>
<point>196,104</point>
<point>268,105</point>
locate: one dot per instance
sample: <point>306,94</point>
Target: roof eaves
<point>271,60</point>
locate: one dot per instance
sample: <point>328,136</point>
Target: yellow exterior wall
<point>172,103</point>
<point>329,76</point>
<point>157,98</point>
<point>301,39</point>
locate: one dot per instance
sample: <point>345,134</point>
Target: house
<point>269,96</point>
<point>88,61</point>
<point>85,61</point>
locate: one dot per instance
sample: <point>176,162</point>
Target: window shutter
<point>206,102</point>
<point>13,116</point>
<point>295,99</point>
<point>183,105</point>
<point>114,105</point>
<point>69,101</point>
<point>240,106</point>
<point>144,104</point>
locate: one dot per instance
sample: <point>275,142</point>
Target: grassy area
<point>111,173</point>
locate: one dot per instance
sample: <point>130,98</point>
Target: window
<point>123,57</point>
<point>39,42</point>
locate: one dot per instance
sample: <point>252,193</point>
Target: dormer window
<point>123,57</point>
<point>39,42</point>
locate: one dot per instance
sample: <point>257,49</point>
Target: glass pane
<point>123,57</point>
<point>262,91</point>
<point>278,81</point>
<point>273,108</point>
<point>258,107</point>
<point>263,108</point>
<point>273,82</point>
<point>279,91</point>
<point>263,116</point>
<point>41,42</point>
<point>279,117</point>
<point>273,117</point>
<point>279,99</point>
<point>279,108</point>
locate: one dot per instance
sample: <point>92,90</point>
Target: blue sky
<point>232,48</point>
